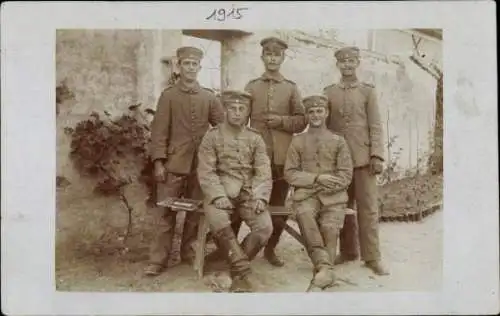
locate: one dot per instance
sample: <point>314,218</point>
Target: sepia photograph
<point>249,158</point>
<point>240,160</point>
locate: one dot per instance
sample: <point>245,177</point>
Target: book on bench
<point>181,204</point>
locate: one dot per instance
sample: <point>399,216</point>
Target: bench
<point>189,205</point>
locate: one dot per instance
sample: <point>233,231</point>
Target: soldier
<point>277,113</point>
<point>354,114</point>
<point>319,168</point>
<point>183,115</point>
<point>235,174</point>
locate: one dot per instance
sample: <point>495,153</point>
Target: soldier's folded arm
<point>160,128</point>
<point>375,126</point>
<point>344,169</point>
<point>262,180</point>
<point>295,123</point>
<point>210,183</point>
<point>294,174</point>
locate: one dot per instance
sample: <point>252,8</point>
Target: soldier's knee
<point>265,230</point>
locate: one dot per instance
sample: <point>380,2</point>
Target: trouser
<point>260,224</point>
<point>279,193</point>
<point>165,219</point>
<point>320,226</point>
<point>361,231</point>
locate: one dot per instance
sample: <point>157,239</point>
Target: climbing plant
<point>113,152</point>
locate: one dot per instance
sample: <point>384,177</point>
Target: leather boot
<point>377,267</point>
<point>240,266</point>
<point>330,238</point>
<point>270,250</point>
<point>251,246</point>
<point>323,267</point>
<point>218,254</point>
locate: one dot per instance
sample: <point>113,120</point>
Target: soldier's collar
<point>195,88</point>
<point>275,77</point>
<point>226,128</point>
<point>348,85</point>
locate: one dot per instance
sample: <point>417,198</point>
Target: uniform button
<point>317,164</point>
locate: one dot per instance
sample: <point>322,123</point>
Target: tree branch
<point>423,67</point>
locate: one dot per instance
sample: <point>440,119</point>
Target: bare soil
<point>92,254</point>
<point>412,251</point>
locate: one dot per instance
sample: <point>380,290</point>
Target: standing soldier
<point>277,113</point>
<point>235,174</point>
<point>319,167</point>
<point>354,114</point>
<point>184,113</point>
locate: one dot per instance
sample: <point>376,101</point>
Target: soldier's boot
<point>323,267</point>
<point>240,265</point>
<point>251,245</point>
<point>270,250</point>
<point>323,278</point>
<point>218,254</point>
<point>162,244</point>
<point>330,238</point>
<point>153,269</point>
<point>377,267</point>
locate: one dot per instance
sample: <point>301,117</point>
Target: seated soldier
<point>319,168</point>
<point>235,175</point>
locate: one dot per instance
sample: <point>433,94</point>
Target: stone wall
<point>107,70</point>
<point>405,92</point>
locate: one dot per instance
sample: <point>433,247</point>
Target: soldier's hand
<point>327,181</point>
<point>273,120</point>
<point>376,166</point>
<point>260,206</point>
<point>159,171</point>
<point>223,203</point>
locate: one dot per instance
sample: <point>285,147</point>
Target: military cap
<point>273,42</point>
<point>316,100</point>
<point>189,52</point>
<point>347,52</point>
<point>234,96</point>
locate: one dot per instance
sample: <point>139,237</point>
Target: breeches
<point>319,226</point>
<point>259,224</point>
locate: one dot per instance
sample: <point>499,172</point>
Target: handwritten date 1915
<point>223,14</point>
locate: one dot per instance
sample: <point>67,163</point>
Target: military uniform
<point>274,94</point>
<point>182,118</point>
<point>235,165</point>
<point>354,114</point>
<point>319,210</point>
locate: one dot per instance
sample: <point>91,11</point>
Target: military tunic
<point>235,166</point>
<point>319,210</point>
<point>280,96</point>
<point>354,114</point>
<point>184,114</point>
<point>274,94</point>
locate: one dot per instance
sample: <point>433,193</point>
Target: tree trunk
<point>436,159</point>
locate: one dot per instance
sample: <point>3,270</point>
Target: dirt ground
<point>412,251</point>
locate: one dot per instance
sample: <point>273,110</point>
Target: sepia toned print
<point>249,161</point>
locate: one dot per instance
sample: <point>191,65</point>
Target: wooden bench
<point>189,205</point>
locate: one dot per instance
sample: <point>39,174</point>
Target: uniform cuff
<point>378,157</point>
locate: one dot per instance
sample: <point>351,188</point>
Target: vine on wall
<point>113,151</point>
